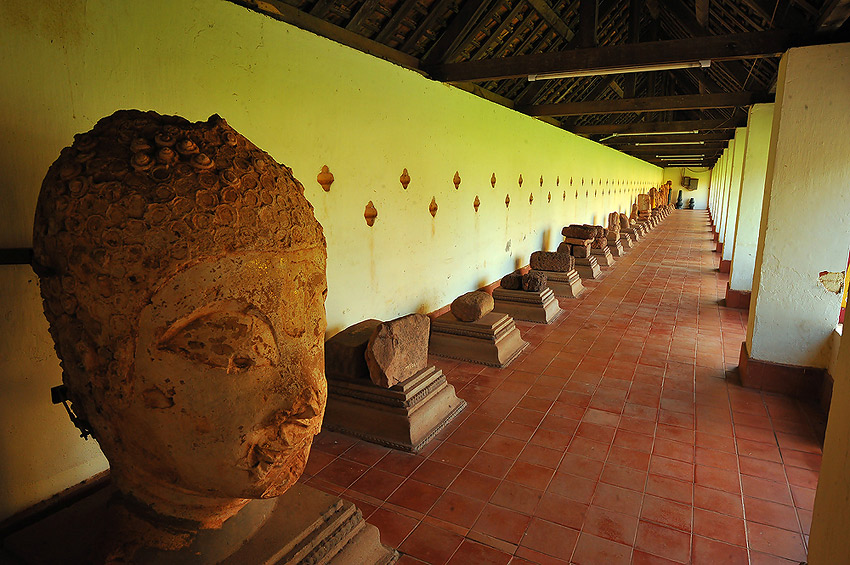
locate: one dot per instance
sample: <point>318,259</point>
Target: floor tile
<point>502,523</point>
<point>457,509</point>
<point>550,539</point>
<point>593,550</point>
<point>431,544</point>
<point>663,542</point>
<point>609,440</point>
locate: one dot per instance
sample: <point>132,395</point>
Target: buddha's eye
<point>235,340</point>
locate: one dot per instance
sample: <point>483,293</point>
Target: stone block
<point>581,251</point>
<point>551,261</point>
<point>472,305</point>
<point>398,349</point>
<point>577,232</point>
<point>511,281</point>
<point>533,281</point>
<point>345,353</point>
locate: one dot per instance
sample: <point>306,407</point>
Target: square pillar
<point>732,202</point>
<point>805,227</point>
<point>748,219</point>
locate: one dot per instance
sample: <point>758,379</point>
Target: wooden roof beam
<point>457,31</point>
<point>833,15</point>
<point>280,10</point>
<point>674,51</point>
<point>552,18</point>
<point>655,104</point>
<point>617,140</point>
<point>658,127</point>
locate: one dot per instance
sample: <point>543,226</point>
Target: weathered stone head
<point>183,276</point>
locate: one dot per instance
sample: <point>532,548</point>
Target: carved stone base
<point>588,267</point>
<point>540,307</point>
<point>626,241</point>
<point>617,249</point>
<point>406,416</point>
<point>604,256</point>
<point>565,285</point>
<point>634,234</point>
<point>304,525</point>
<point>493,340</point>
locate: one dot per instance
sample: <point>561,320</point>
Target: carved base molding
<point>493,340</point>
<point>405,417</point>
<point>303,525</point>
<point>538,307</point>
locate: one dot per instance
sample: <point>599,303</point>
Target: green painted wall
<point>309,102</point>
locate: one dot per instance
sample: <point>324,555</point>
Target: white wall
<point>805,225</point>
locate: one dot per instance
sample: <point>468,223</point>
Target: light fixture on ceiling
<point>671,143</point>
<point>701,156</point>
<point>702,64</point>
<point>656,133</point>
<point>648,133</point>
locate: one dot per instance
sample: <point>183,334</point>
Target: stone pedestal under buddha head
<point>183,277</point>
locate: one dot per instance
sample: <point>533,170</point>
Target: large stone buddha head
<point>183,277</point>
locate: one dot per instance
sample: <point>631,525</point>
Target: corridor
<point>614,438</point>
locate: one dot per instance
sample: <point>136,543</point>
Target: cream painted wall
<point>805,225</point>
<point>748,217</point>
<point>727,181</point>
<point>40,451</point>
<point>722,180</point>
<point>829,543</point>
<point>734,192</point>
<point>309,102</point>
<point>716,195</point>
<point>700,195</point>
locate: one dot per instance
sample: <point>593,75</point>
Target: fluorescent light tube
<point>618,70</point>
<point>654,133</point>
<point>671,143</point>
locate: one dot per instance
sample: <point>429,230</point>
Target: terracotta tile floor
<point>615,438</point>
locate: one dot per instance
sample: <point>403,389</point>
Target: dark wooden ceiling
<point>491,47</point>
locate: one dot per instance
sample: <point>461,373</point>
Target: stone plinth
<point>604,256</point>
<point>588,268</point>
<point>565,285</point>
<point>492,340</point>
<point>304,525</point>
<point>634,234</point>
<point>540,307</point>
<point>617,249</point>
<point>405,416</point>
<point>626,241</point>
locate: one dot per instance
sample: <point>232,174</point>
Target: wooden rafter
<point>720,48</point>
<point>655,104</point>
<point>685,137</point>
<point>458,29</point>
<point>833,15</point>
<point>552,18</point>
<point>282,11</point>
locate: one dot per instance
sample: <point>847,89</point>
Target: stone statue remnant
<point>183,276</point>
